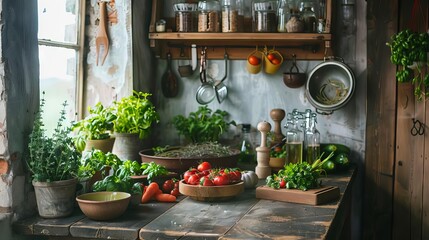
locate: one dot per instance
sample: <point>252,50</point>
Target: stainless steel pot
<point>330,85</point>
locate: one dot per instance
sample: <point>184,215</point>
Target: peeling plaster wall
<point>112,80</point>
<point>19,94</point>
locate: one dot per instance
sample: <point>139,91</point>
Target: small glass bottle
<point>283,15</point>
<point>294,142</point>
<point>229,16</point>
<point>312,140</point>
<point>208,16</point>
<point>247,150</point>
<point>309,18</point>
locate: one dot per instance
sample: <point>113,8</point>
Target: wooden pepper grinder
<point>277,115</point>
<point>263,168</point>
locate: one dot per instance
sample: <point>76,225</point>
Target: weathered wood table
<point>243,217</point>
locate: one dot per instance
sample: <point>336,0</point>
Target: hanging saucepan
<point>205,92</point>
<point>330,85</point>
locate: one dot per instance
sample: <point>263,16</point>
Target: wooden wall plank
<point>381,109</point>
<point>409,175</point>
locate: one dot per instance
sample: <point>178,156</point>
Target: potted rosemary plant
<point>53,162</point>
<point>94,131</point>
<point>135,116</point>
<point>409,51</point>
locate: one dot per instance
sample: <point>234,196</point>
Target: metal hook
<point>418,128</point>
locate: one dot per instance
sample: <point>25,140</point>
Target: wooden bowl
<point>103,205</point>
<point>211,193</point>
<point>181,165</point>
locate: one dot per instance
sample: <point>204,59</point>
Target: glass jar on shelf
<point>185,16</point>
<point>230,17</point>
<point>295,23</point>
<point>283,15</point>
<point>264,16</point>
<point>208,16</point>
<point>309,17</point>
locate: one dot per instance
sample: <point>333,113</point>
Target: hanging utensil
<point>220,89</point>
<point>205,92</point>
<point>102,39</point>
<point>169,82</point>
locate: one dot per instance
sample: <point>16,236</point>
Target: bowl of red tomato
<point>204,183</point>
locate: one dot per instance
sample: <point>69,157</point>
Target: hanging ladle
<point>205,92</point>
<point>220,89</point>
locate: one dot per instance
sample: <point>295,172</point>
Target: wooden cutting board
<point>311,197</point>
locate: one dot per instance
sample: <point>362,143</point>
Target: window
<point>61,35</point>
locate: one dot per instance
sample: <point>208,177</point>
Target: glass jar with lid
<point>208,16</point>
<point>185,16</point>
<point>230,19</point>
<point>264,15</point>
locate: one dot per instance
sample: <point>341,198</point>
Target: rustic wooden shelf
<point>307,46</point>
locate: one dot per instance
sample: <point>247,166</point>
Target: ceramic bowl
<point>211,193</point>
<point>103,205</point>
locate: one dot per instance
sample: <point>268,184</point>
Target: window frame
<point>79,48</point>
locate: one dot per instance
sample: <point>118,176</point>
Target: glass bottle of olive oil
<point>294,142</point>
<point>312,140</point>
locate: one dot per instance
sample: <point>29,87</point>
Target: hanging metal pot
<point>330,85</point>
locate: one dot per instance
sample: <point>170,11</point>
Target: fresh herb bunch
<point>408,47</point>
<point>96,126</point>
<point>97,160</point>
<point>52,158</point>
<point>135,114</point>
<point>152,170</point>
<point>301,175</point>
<point>204,125</point>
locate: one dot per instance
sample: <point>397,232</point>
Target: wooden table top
<point>243,217</point>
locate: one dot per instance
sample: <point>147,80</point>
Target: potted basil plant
<point>94,131</point>
<point>135,116</point>
<point>53,162</point>
<point>409,51</point>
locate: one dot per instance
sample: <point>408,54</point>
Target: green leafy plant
<point>135,114</point>
<point>96,160</point>
<point>204,125</point>
<point>97,125</point>
<point>410,48</point>
<point>52,158</point>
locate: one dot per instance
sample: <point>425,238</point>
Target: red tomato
<point>275,61</point>
<point>206,181</point>
<point>271,56</point>
<point>282,183</point>
<point>254,60</point>
<point>204,166</point>
<point>221,180</point>
<point>235,176</point>
<point>176,184</point>
<point>168,186</point>
<point>189,173</point>
<point>175,192</point>
<point>194,179</point>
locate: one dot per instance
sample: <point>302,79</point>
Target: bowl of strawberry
<point>205,183</point>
